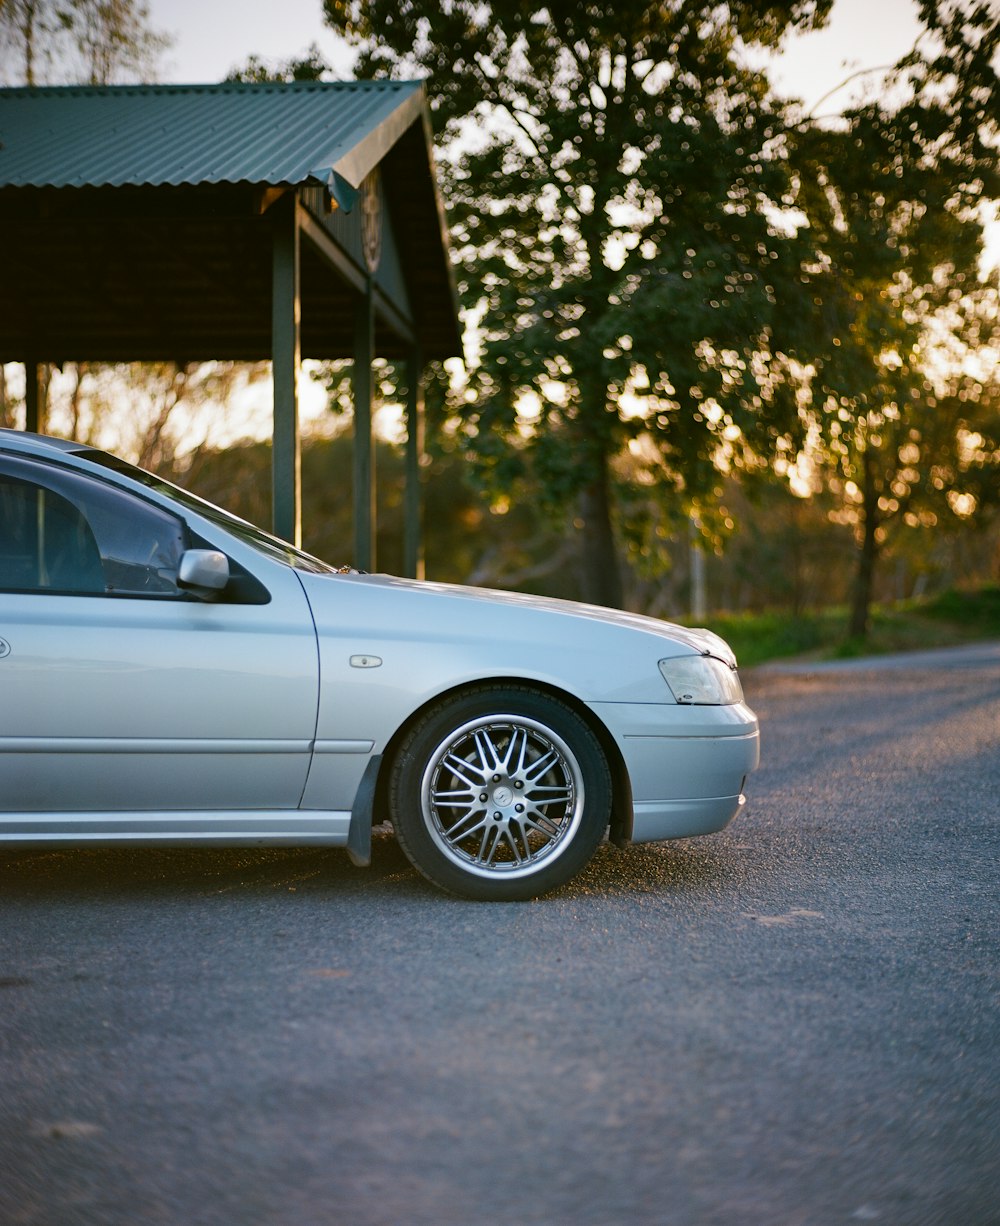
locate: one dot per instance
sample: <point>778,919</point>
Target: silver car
<point>171,674</point>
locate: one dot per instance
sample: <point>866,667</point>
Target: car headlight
<point>701,681</point>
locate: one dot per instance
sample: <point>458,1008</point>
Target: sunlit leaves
<point>671,279</point>
<point>901,313</point>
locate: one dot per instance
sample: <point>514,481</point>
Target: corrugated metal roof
<point>105,191</point>
<point>331,133</point>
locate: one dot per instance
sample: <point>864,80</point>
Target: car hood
<point>683,638</point>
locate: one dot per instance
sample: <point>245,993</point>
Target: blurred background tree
<point>85,42</point>
<point>613,190</point>
<point>901,340</point>
<point>673,278</point>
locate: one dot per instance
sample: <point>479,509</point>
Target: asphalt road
<point>792,1023</point>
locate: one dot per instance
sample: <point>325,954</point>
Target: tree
<point>94,42</point>
<point>900,405</point>
<point>310,66</point>
<point>29,29</point>
<point>115,40</point>
<point>151,413</point>
<point>613,190</point>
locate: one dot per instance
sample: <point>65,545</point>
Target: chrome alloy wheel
<point>502,794</point>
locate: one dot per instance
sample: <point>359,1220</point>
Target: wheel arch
<point>621,786</point>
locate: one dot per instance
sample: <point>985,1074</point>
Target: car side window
<point>63,532</point>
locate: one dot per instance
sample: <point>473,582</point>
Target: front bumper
<point>687,765</point>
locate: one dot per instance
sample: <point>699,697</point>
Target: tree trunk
<point>864,579</point>
<point>600,578</point>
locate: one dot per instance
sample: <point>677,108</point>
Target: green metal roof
<point>136,221</point>
<point>328,133</point>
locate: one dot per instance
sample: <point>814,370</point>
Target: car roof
<point>40,442</point>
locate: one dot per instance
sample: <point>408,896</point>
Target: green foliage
<point>953,618</point>
<point>948,620</point>
<point>466,539</point>
<point>758,637</point>
<point>902,399</point>
<point>975,611</point>
<point>612,189</point>
<point>673,274</point>
<point>784,562</point>
<point>311,66</point>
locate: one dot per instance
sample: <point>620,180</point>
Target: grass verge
<point>946,620</point>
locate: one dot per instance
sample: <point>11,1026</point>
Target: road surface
<point>793,1023</point>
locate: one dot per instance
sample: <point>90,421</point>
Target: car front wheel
<point>500,793</point>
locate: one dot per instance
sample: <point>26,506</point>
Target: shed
<point>231,221</point>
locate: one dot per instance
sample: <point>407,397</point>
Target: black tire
<point>500,793</point>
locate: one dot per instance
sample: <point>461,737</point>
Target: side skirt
<point>251,828</point>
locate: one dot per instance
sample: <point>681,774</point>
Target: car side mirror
<point>205,572</point>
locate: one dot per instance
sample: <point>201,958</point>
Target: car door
<point>121,694</point>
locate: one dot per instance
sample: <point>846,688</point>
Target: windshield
<point>263,542</point>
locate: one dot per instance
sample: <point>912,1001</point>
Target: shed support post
<point>413,526</point>
<point>286,314</point>
<point>364,452</point>
<point>35,395</point>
